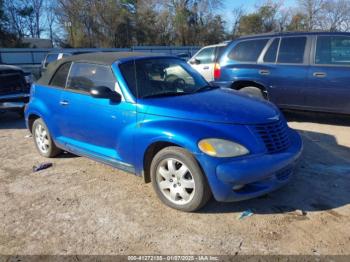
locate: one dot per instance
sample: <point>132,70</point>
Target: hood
<point>218,105</point>
<point>10,67</point>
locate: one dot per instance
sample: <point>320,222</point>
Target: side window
<point>60,77</point>
<point>206,56</point>
<point>50,58</point>
<point>248,51</point>
<point>84,76</point>
<point>292,50</point>
<point>271,54</point>
<point>333,50</point>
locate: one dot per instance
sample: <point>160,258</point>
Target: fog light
<point>237,187</point>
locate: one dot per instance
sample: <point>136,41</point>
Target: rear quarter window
<point>60,77</point>
<point>84,76</point>
<point>247,51</point>
<point>219,52</point>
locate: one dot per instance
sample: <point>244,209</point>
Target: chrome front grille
<point>11,83</point>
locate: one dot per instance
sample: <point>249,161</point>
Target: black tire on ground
<point>202,192</point>
<point>253,91</point>
<point>52,149</point>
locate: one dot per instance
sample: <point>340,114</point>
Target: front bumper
<point>14,101</point>
<point>256,175</point>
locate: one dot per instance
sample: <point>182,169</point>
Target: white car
<point>204,61</point>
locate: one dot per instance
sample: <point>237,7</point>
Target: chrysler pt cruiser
<point>154,116</point>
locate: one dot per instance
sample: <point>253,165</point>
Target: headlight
<point>221,148</point>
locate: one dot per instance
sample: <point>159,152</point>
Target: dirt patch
<point>79,206</point>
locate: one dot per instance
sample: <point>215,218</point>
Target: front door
<point>93,126</point>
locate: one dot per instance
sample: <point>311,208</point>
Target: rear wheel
<point>253,91</point>
<point>178,180</point>
<point>42,139</point>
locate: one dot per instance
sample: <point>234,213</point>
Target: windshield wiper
<point>205,88</point>
<point>165,94</point>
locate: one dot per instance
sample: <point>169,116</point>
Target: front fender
<point>159,129</point>
<point>186,134</point>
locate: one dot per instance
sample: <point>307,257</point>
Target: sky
<point>248,6</point>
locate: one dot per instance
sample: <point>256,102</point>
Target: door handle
<point>64,103</point>
<point>206,67</point>
<point>264,72</point>
<point>319,74</point>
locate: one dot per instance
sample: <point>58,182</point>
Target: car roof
<point>216,45</point>
<point>103,58</point>
<point>291,34</point>
<point>70,52</point>
<point>107,58</point>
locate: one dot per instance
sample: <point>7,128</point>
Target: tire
<point>185,190</point>
<point>43,141</point>
<point>253,91</point>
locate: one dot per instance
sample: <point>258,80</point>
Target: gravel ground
<point>83,207</point>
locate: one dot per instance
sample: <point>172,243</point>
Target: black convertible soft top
<point>103,58</point>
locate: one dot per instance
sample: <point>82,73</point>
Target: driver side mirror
<point>195,61</point>
<point>106,93</point>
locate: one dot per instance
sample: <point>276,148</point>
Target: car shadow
<point>66,154</point>
<point>316,117</point>
<point>321,183</point>
<point>11,120</point>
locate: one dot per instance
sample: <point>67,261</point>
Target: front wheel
<point>178,180</point>
<point>42,139</point>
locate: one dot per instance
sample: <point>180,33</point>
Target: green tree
<point>145,23</point>
<point>250,24</point>
<point>298,23</point>
<point>268,14</point>
<point>122,23</point>
<point>214,31</point>
<point>263,20</point>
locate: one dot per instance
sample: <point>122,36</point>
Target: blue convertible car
<point>154,116</point>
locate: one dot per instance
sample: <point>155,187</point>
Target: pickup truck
<point>14,88</point>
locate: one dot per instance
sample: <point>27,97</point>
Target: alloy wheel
<point>42,138</point>
<point>175,181</point>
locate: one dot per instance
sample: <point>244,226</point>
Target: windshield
<point>158,77</point>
